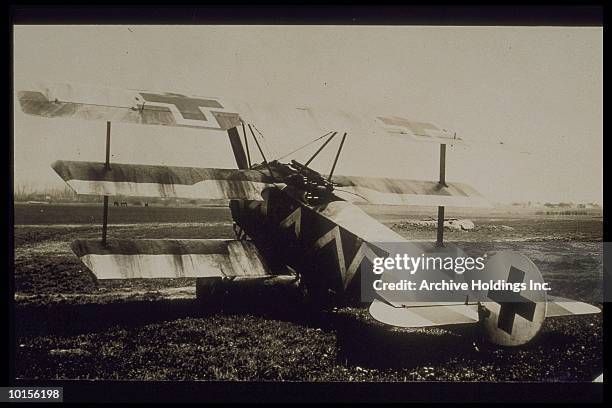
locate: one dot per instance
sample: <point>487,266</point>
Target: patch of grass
<point>247,347</point>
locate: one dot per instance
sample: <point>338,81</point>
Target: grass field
<point>68,325</point>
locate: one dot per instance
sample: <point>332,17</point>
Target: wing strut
<point>237,148</point>
<point>441,184</point>
<point>246,144</point>
<point>107,167</point>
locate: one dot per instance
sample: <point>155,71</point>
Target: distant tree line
<point>26,192</point>
<point>567,212</point>
<point>555,205</point>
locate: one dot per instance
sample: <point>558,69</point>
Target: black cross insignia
<point>419,128</point>
<point>512,303</point>
<point>188,107</point>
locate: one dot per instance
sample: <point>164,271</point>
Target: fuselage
<point>326,241</point>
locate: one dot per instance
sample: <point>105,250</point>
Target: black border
<point>344,13</point>
<point>567,14</point>
<point>224,391</point>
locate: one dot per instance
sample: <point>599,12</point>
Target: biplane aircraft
<point>288,218</point>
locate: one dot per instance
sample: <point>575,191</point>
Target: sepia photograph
<point>406,204</point>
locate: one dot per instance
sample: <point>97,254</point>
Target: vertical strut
<point>441,184</point>
<point>246,145</point>
<point>239,155</point>
<point>440,237</point>
<point>442,165</point>
<point>108,131</point>
<point>107,168</point>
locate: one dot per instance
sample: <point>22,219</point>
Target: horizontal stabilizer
<point>387,191</point>
<point>132,106</point>
<point>558,306</point>
<point>161,181</point>
<point>424,316</point>
<point>170,258</point>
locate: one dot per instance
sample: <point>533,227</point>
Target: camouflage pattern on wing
<point>170,258</point>
<point>79,101</point>
<point>131,106</point>
<point>162,181</point>
<point>378,190</point>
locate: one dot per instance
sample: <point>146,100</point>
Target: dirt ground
<point>70,326</point>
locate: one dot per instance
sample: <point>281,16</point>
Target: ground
<point>70,326</point>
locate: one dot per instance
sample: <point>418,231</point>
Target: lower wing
<point>171,258</point>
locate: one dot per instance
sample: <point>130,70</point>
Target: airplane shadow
<point>76,318</point>
<point>375,346</point>
<point>360,341</point>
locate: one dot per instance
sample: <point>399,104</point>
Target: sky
<point>538,89</point>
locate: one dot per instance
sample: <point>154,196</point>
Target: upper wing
<point>162,181</point>
<point>377,190</point>
<point>171,258</point>
<point>87,102</point>
<point>132,106</point>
